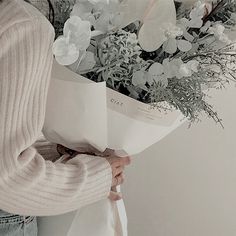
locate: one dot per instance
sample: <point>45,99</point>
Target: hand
<point>114,195</point>
<point>117,165</point>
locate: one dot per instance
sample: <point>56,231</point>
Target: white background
<point>186,184</point>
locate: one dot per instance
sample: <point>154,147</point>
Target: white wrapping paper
<point>81,113</point>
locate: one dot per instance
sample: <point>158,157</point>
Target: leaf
<point>87,63</point>
<point>170,46</point>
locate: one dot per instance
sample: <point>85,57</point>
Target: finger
<point>118,180</point>
<point>120,161</point>
<point>124,161</point>
<point>118,170</point>
<point>114,196</point>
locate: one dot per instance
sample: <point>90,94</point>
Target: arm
<point>29,185</point>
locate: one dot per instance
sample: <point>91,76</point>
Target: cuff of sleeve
<point>46,149</point>
<point>98,178</point>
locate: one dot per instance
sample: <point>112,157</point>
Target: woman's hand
<point>117,165</point>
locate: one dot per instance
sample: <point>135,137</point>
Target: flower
<point>187,69</point>
<point>83,9</point>
<point>233,17</point>
<point>76,38</point>
<point>171,68</point>
<point>78,32</point>
<point>139,78</point>
<point>65,52</point>
<point>104,15</point>
<point>172,44</point>
<point>197,14</point>
<point>183,23</point>
<point>156,74</point>
<point>200,10</point>
<point>218,31</point>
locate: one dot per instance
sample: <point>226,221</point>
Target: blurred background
<point>186,184</point>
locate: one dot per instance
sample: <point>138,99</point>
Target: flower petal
<point>139,77</point>
<point>193,65</point>
<point>161,79</point>
<point>156,69</point>
<point>170,46</point>
<point>184,45</point>
<point>78,32</point>
<point>185,71</point>
<point>65,54</point>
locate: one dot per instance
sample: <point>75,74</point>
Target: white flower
<point>78,31</point>
<point>172,44</point>
<point>76,37</point>
<point>200,9</point>
<point>160,73</point>
<point>172,31</point>
<point>183,23</point>
<point>104,15</point>
<point>109,15</point>
<point>65,53</point>
<point>156,74</point>
<point>233,17</point>
<point>139,78</point>
<point>187,69</point>
<point>83,9</point>
<point>171,68</point>
<point>218,31</point>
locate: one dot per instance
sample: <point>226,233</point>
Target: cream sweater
<point>29,184</point>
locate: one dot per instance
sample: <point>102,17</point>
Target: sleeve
<point>30,185</point>
<point>47,149</point>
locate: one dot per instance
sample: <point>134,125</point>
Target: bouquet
<point>128,72</point>
<point>150,57</point>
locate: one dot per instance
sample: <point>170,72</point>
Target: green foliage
<point>186,95</point>
<point>119,57</point>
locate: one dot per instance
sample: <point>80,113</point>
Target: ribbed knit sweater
<point>29,184</point>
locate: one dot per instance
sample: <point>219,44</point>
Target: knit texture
<point>29,184</point>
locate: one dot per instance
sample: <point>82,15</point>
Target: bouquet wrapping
<point>82,114</point>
